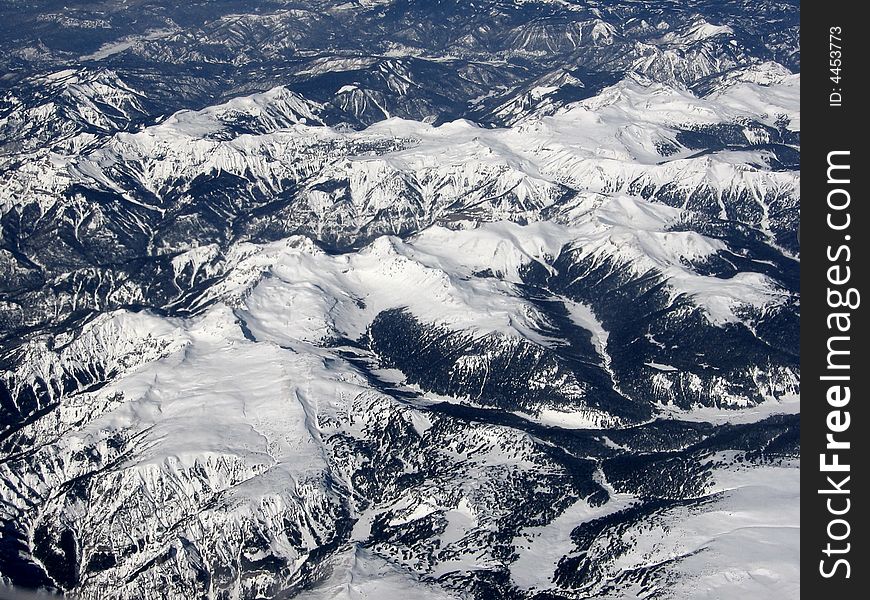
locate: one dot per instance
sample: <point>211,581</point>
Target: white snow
<point>750,540</point>
<point>700,30</point>
<point>766,99</point>
<point>115,47</point>
<point>359,574</point>
<point>583,316</point>
<point>587,419</point>
<point>788,405</point>
<point>194,403</point>
<point>661,367</point>
<point>294,291</point>
<point>541,548</point>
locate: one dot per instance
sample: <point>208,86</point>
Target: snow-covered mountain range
<point>466,300</point>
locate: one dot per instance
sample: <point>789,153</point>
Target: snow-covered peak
<point>697,31</point>
<point>263,112</point>
<point>637,99</point>
<point>769,92</point>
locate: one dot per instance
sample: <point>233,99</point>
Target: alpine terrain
<point>400,299</point>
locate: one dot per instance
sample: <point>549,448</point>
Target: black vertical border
<point>827,128</point>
